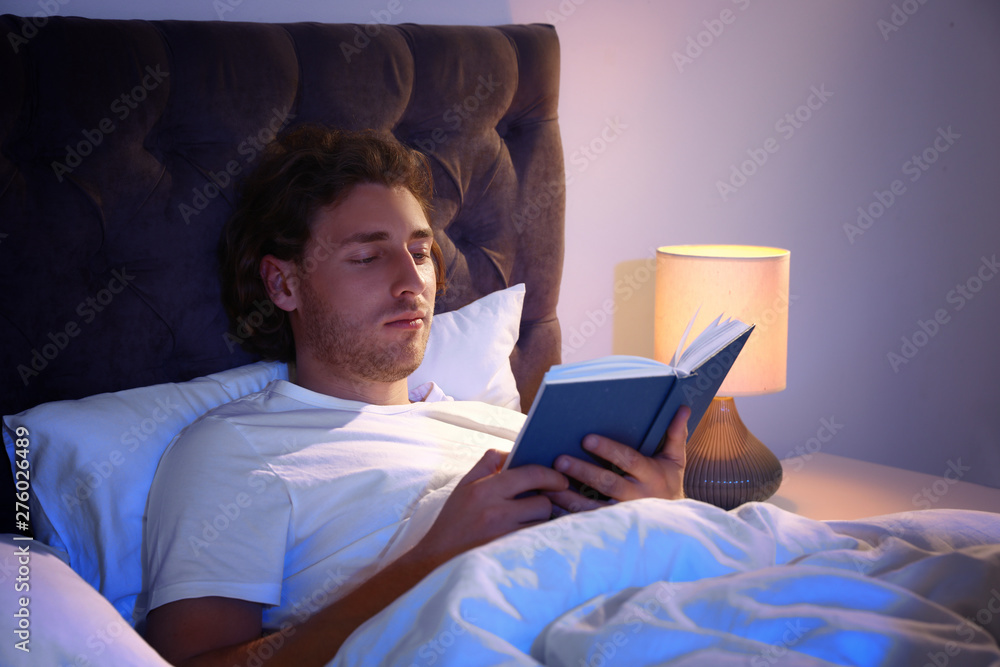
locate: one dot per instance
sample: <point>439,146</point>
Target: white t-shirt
<point>290,498</point>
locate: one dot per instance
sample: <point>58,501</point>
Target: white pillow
<point>70,623</point>
<point>93,460</point>
<point>92,463</point>
<point>468,353</point>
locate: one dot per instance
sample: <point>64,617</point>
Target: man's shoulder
<point>258,418</point>
<point>276,398</point>
<point>228,421</point>
<point>266,400</point>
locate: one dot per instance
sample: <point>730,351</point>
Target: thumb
<point>675,448</point>
<point>489,464</point>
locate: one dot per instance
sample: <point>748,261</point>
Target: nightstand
<point>825,486</point>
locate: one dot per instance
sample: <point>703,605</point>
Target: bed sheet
<point>651,582</point>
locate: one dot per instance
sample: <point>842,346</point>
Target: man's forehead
<point>372,213</point>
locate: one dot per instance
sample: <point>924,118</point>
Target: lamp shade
<point>749,283</point>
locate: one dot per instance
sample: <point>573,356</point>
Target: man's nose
<point>409,277</point>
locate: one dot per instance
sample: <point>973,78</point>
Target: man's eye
<point>364,260</point>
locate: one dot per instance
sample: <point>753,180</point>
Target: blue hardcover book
<point>629,399</point>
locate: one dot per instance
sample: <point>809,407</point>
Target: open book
<point>629,399</point>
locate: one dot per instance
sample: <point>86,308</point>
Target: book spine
<point>653,439</point>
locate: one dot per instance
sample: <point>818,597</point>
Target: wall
<point>690,122</point>
<point>893,318</point>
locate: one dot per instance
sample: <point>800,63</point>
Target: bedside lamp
<point>726,464</point>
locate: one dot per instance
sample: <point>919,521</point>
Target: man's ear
<point>281,282</point>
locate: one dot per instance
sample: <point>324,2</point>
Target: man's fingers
<point>599,478</point>
<point>675,448</point>
<point>533,477</point>
<point>515,481</point>
<point>615,453</point>
<point>535,509</point>
<point>571,501</point>
<point>659,476</point>
<point>488,464</point>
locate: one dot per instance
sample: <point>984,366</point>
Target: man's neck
<point>349,389</point>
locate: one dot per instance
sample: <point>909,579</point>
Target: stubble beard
<point>345,344</point>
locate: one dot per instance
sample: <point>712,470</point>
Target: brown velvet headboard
<point>121,143</point>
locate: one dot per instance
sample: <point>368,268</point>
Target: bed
<point>121,145</point>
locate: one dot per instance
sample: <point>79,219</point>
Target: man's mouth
<point>411,320</point>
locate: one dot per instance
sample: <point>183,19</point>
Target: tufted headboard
<point>121,143</point>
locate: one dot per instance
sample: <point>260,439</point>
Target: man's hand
<point>660,476</point>
<point>485,506</point>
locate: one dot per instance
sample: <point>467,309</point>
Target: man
<point>307,508</point>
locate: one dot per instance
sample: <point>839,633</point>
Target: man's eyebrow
<point>373,237</point>
<point>365,237</point>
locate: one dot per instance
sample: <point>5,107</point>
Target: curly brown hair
<point>303,170</point>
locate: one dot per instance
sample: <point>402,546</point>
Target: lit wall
<point>773,123</point>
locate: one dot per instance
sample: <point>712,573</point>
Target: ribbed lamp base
<point>726,465</point>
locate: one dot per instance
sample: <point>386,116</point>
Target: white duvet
<point>656,582</point>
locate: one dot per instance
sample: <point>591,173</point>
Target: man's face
<point>367,286</point>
